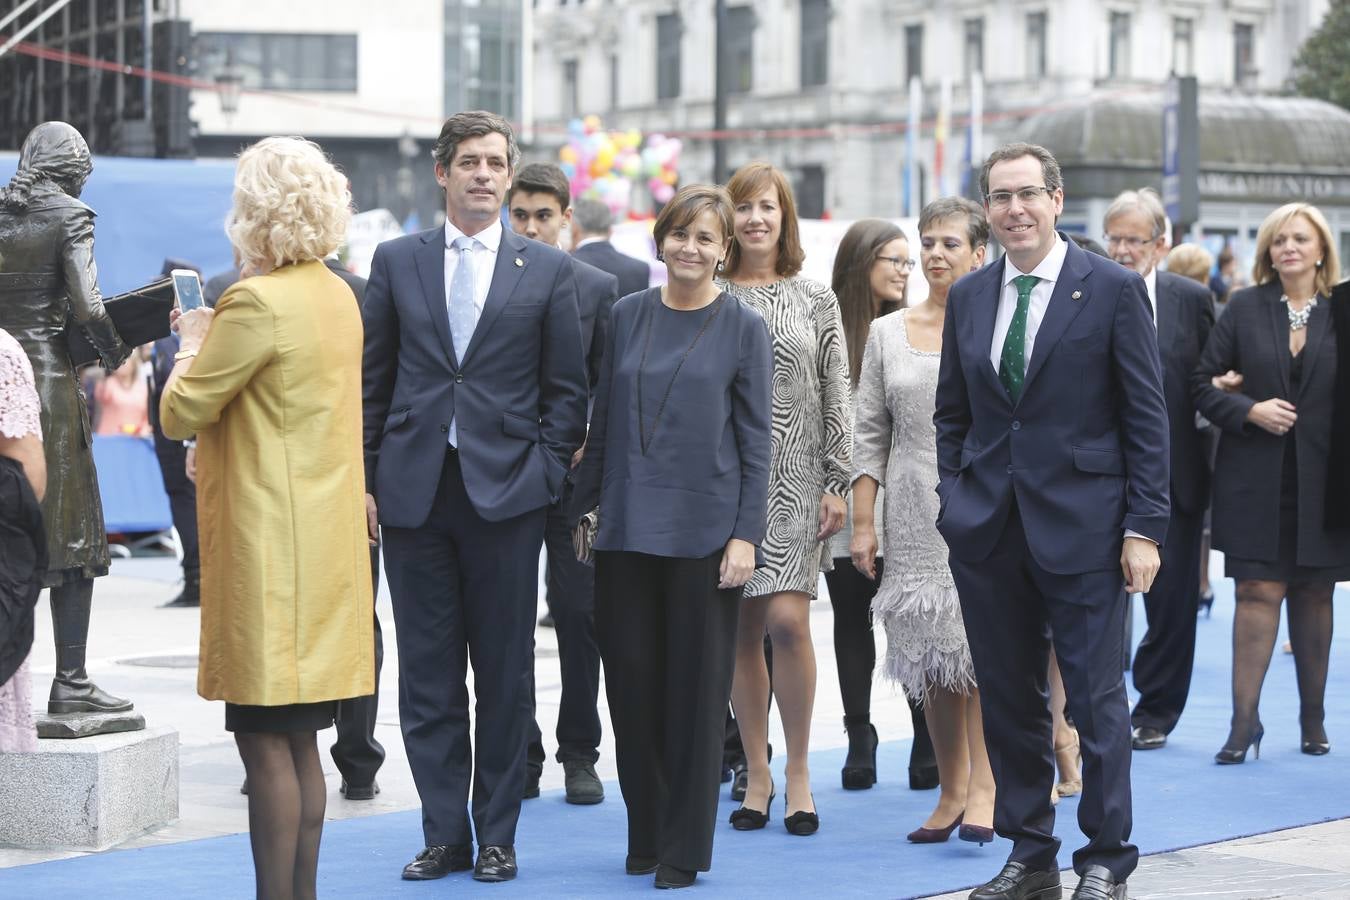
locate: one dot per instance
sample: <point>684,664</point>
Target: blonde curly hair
<point>291,204</point>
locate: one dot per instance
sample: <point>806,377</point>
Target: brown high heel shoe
<point>922,835</point>
<point>1068,759</point>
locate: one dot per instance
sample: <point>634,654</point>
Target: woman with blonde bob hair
<point>1276,350</point>
<point>270,384</point>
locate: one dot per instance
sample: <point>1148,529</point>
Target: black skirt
<point>280,719</point>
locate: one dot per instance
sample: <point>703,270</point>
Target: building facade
<point>821,87</point>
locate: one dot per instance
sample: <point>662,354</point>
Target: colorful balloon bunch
<point>604,165</point>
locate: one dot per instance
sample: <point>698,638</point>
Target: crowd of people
<point>987,474</point>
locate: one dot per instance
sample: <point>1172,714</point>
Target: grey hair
<point>592,216</point>
<point>1054,181</point>
<point>1144,200</point>
<point>945,208</point>
<point>473,124</point>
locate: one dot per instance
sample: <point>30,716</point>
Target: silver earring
<point>1319,264</point>
<point>721,264</point>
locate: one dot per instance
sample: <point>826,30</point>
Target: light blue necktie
<point>463,315</point>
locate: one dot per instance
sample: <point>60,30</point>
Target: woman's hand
<point>863,549</point>
<point>1229,382</point>
<point>190,464</point>
<point>832,512</point>
<point>191,326</point>
<point>1274,415</point>
<point>372,521</point>
<point>738,564</point>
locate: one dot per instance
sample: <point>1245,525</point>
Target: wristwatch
<point>184,354</point>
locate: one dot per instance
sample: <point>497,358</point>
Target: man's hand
<point>738,564</point>
<point>1229,382</point>
<point>1274,415</point>
<point>372,521</point>
<point>576,457</point>
<point>863,549</point>
<point>832,512</point>
<point>1139,564</point>
<point>190,465</point>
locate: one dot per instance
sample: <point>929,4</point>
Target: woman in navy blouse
<point>677,460</point>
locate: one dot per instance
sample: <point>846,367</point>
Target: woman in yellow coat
<point>270,384</point>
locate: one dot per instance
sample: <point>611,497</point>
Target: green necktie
<point>1012,364</point>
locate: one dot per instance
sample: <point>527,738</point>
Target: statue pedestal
<point>91,793</point>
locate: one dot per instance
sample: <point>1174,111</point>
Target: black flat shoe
<point>438,862</point>
<point>1235,753</point>
<point>531,789</point>
<point>495,863</point>
<point>1146,737</point>
<point>669,877</point>
<point>747,819</point>
<point>1017,882</point>
<point>639,865</point>
<point>800,823</point>
<point>1316,748</point>
<point>1097,883</point>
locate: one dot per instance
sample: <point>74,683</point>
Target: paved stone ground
<point>148,654</point>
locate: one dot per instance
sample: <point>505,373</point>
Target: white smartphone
<point>187,289</point>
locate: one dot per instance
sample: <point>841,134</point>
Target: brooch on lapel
<point>1076,295</point>
<point>519,262</point>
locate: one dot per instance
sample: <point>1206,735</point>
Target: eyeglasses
<point>902,265</point>
<point>1001,199</point>
<point>1134,243</point>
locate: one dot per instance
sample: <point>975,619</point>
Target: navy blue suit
<point>634,275</point>
<point>1163,663</point>
<point>1035,499</point>
<point>462,527</point>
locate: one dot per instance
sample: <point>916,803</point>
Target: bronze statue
<point>48,283</point>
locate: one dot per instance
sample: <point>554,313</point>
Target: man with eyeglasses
<point>1135,227</point>
<point>1053,476</point>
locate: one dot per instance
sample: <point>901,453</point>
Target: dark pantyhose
<point>1255,627</point>
<point>855,651</point>
<point>286,799</point>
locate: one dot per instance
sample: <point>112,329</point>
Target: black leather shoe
<point>671,877</point>
<point>495,863</point>
<point>740,780</point>
<point>1017,882</point>
<point>360,791</point>
<point>1146,737</point>
<point>583,785</point>
<point>639,865</point>
<point>438,862</point>
<point>531,783</point>
<point>1097,883</point>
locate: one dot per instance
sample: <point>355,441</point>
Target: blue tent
<point>150,209</point>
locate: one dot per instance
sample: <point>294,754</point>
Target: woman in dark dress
<point>47,278</point>
<point>1271,473</point>
<point>677,461</point>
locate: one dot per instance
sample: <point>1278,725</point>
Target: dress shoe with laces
<point>1017,882</point>
<point>583,785</point>
<point>671,877</point>
<point>1097,883</point>
<point>360,791</point>
<point>1146,737</point>
<point>439,861</point>
<point>495,863</point>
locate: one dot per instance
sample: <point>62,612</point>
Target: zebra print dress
<point>812,428</point>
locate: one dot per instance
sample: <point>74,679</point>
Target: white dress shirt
<point>486,243</point>
<point>1048,273</point>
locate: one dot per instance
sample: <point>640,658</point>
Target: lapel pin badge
<point>519,262</point>
<point>1077,295</point>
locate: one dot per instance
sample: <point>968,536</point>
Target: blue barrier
<point>130,484</point>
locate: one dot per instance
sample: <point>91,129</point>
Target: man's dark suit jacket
<point>518,397</point>
<point>1185,317</point>
<point>596,292</point>
<point>634,275</point>
<point>1084,451</point>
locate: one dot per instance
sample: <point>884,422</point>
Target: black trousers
<point>462,592</point>
<point>1010,606</point>
<point>668,640</point>
<point>182,493</point>
<point>571,602</point>
<point>1166,655</point>
<point>356,753</point>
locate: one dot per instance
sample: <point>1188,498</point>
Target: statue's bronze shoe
<point>80,695</point>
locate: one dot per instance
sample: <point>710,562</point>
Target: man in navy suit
<point>475,402</point>
<point>539,207</point>
<point>591,221</point>
<point>1135,228</point>
<point>1052,465</point>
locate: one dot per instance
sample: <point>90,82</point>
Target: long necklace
<point>644,434</point>
<point>1298,318</point>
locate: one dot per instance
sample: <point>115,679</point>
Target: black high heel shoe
<point>1231,755</point>
<point>858,774</point>
<point>747,819</point>
<point>1206,603</point>
<point>800,823</point>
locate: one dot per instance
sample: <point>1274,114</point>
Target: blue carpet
<point>1181,799</point>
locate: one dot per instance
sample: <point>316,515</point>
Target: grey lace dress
<point>812,429</point>
<point>895,443</point>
